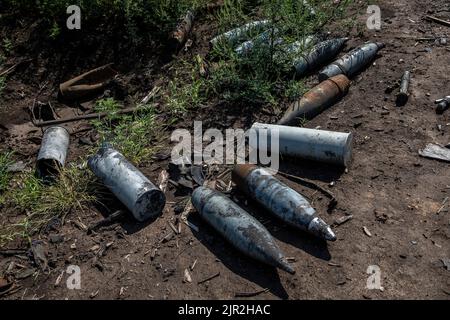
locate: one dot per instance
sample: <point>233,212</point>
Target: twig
<point>11,69</point>
<point>108,220</point>
<point>85,117</point>
<point>12,252</point>
<point>250,294</point>
<point>443,205</point>
<point>440,21</point>
<point>209,278</point>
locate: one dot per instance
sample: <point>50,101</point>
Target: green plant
<point>7,45</point>
<point>2,84</point>
<point>5,161</point>
<point>135,135</point>
<point>39,203</point>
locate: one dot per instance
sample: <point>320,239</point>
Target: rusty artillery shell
<point>442,104</point>
<point>128,184</point>
<point>403,94</point>
<point>243,231</point>
<point>352,62</point>
<point>316,100</point>
<point>318,55</point>
<point>86,86</point>
<point>280,200</point>
<point>53,152</point>
<point>182,31</point>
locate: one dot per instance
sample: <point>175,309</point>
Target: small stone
<point>56,238</point>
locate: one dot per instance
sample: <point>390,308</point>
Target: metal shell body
<point>243,231</point>
<point>127,183</point>
<point>316,100</point>
<point>352,62</point>
<point>265,38</point>
<point>282,201</point>
<point>53,152</point>
<point>310,144</point>
<point>237,34</point>
<point>318,55</point>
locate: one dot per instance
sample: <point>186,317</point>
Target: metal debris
<point>280,200</point>
<point>311,144</point>
<point>316,100</point>
<point>86,86</point>
<point>128,184</point>
<point>442,104</point>
<point>237,226</point>
<point>187,276</point>
<point>163,180</point>
<point>178,37</point>
<point>402,96</point>
<point>435,151</point>
<point>342,220</point>
<point>353,62</point>
<point>53,152</point>
<point>367,232</point>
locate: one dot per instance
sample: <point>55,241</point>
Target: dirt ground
<point>391,191</point>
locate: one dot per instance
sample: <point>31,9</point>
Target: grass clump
<point>5,162</point>
<point>40,203</point>
<point>261,76</point>
<point>137,18</point>
<point>133,135</point>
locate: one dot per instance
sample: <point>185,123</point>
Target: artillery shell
<point>53,152</point>
<point>280,200</point>
<point>237,226</point>
<point>264,38</point>
<point>316,100</point>
<point>353,62</point>
<point>310,144</point>
<point>237,34</point>
<point>179,36</point>
<point>318,55</point>
<point>403,94</point>
<point>128,184</point>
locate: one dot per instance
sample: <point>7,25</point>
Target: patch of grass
<point>183,97</point>
<point>7,45</point>
<point>137,18</point>
<point>5,161</point>
<point>262,76</point>
<point>40,203</point>
<point>135,136</point>
<point>2,84</point>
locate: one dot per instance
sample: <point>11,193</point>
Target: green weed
<point>39,203</point>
